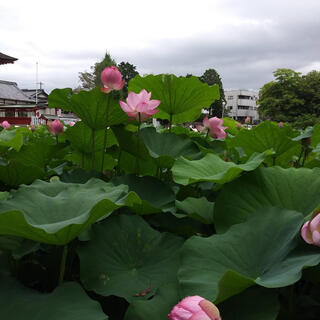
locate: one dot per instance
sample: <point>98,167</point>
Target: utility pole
<point>36,83</point>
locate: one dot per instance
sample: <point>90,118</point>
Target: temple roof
<point>6,59</point>
<point>10,91</point>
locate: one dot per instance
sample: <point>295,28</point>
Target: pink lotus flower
<point>239,125</point>
<point>5,125</point>
<point>215,127</point>
<point>194,308</point>
<point>140,104</point>
<point>56,127</point>
<point>111,79</point>
<point>71,123</point>
<point>310,231</point>
<point>280,124</point>
<point>247,120</point>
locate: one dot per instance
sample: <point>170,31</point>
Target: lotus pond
<point>112,218</point>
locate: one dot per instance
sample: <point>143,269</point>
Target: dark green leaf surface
<point>125,256</point>
<point>293,189</point>
<point>258,251</point>
<point>67,302</point>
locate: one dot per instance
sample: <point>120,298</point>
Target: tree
<point>128,72</point>
<point>212,77</point>
<point>291,98</point>
<point>89,80</point>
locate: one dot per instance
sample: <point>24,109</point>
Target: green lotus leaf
<point>158,308</point>
<point>241,307</point>
<point>127,258</point>
<point>182,99</point>
<point>263,250</point>
<point>212,168</point>
<point>155,194</point>
<point>67,302</point>
<point>89,106</point>
<point>266,136</point>
<point>199,209</point>
<point>293,189</point>
<point>166,147</point>
<point>57,212</point>
<point>16,173</point>
<point>11,138</point>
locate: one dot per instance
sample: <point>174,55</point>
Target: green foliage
<point>211,77</point>
<point>292,98</point>
<point>119,220</point>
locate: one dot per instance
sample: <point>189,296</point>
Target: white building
<point>241,104</point>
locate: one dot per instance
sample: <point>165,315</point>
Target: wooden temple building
<point>27,106</point>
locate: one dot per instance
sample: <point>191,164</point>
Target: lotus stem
<point>105,133</point>
<point>92,147</point>
<point>138,145</point>
<point>63,264</point>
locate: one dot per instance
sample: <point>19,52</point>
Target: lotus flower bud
<point>280,124</point>
<point>5,125</point>
<point>239,125</point>
<point>310,231</point>
<point>56,127</point>
<point>194,308</point>
<point>247,120</point>
<point>215,127</point>
<point>111,79</point>
<point>71,123</point>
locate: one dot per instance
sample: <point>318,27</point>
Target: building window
<point>9,113</point>
<point>243,107</point>
<point>230,98</point>
<point>230,108</point>
<point>244,97</point>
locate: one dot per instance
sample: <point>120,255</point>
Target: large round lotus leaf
<point>158,307</point>
<point>262,250</point>
<point>57,212</point>
<point>67,302</point>
<point>181,98</point>
<point>126,257</point>
<point>211,168</point>
<point>265,136</point>
<point>89,106</point>
<point>166,147</point>
<point>154,193</point>
<point>293,189</point>
<point>253,304</point>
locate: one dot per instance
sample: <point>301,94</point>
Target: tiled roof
<point>10,91</point>
<point>6,59</point>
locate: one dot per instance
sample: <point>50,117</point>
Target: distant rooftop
<point>10,91</point>
<point>6,59</point>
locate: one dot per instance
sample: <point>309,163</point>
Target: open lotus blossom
<point>56,127</point>
<point>310,231</point>
<point>111,79</point>
<point>71,123</point>
<point>5,125</point>
<point>247,120</point>
<point>215,127</point>
<point>194,308</point>
<point>139,105</point>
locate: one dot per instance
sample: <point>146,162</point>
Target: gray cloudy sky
<point>244,40</point>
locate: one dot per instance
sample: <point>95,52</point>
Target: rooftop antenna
<point>36,83</point>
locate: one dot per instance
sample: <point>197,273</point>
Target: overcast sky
<point>244,40</point>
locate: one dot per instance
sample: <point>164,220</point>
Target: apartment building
<point>242,104</point>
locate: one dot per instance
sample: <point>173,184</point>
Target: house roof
<point>10,91</point>
<point>6,59</point>
<point>31,93</point>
